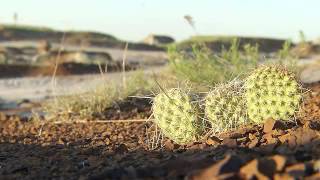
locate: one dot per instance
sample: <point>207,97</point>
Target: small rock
<point>297,170</point>
<point>283,176</point>
<point>251,136</point>
<point>260,169</point>
<point>284,138</point>
<point>272,124</point>
<point>121,149</point>
<point>278,132</point>
<point>305,136</point>
<point>253,143</point>
<point>268,137</point>
<point>60,141</point>
<point>268,125</point>
<point>107,141</point>
<point>196,146</point>
<point>213,140</point>
<point>169,145</point>
<point>250,171</point>
<point>231,143</point>
<point>292,141</point>
<point>267,148</point>
<point>236,135</point>
<point>100,143</point>
<point>314,125</point>
<point>280,162</point>
<point>225,168</point>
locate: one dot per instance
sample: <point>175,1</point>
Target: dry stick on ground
<point>124,66</point>
<point>102,121</point>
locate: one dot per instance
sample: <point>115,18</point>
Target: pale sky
<point>135,19</point>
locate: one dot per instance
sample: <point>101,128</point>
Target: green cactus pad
<point>225,107</point>
<point>177,116</point>
<point>272,92</point>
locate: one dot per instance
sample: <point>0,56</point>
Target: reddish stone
<point>272,124</point>
<point>253,143</point>
<point>284,138</point>
<point>169,145</point>
<point>305,135</point>
<point>292,143</point>
<point>268,125</point>
<point>280,162</point>
<point>296,170</point>
<point>283,176</point>
<point>260,169</point>
<point>225,169</point>
<point>213,140</point>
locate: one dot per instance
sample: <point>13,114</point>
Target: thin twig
<point>57,59</point>
<point>100,70</point>
<point>101,121</point>
<point>124,65</point>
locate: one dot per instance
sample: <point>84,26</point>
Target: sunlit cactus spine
<point>272,92</point>
<point>177,114</point>
<point>225,106</point>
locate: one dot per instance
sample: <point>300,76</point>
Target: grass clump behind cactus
<point>202,66</point>
<point>92,104</point>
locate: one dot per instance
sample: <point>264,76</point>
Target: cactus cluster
<point>224,107</point>
<point>177,116</point>
<point>268,92</point>
<point>271,92</point>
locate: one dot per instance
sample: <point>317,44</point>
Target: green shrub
<point>202,66</point>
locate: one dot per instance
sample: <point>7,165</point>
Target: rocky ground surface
<point>126,149</point>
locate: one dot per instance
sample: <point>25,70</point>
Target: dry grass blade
<point>57,59</point>
<point>124,65</point>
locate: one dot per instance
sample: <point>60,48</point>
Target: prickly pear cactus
<point>177,116</point>
<point>272,92</point>
<point>225,107</point>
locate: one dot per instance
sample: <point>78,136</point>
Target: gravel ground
<point>122,150</point>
